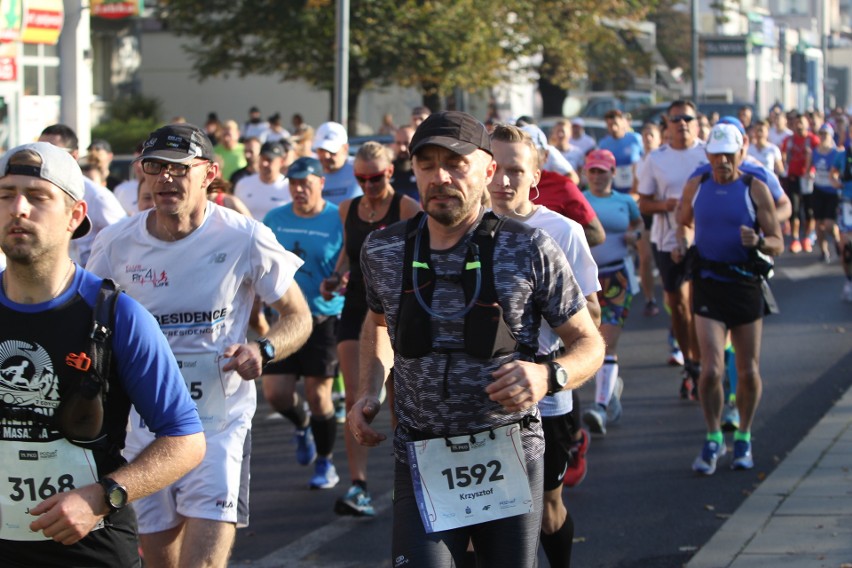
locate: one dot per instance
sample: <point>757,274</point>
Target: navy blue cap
<point>303,167</point>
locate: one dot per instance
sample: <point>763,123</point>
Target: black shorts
<point>825,205</point>
<point>352,317</point>
<point>558,436</point>
<point>732,303</point>
<point>317,357</point>
<point>647,220</point>
<point>673,274</point>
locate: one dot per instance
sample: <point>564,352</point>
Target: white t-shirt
<point>584,142</point>
<point>200,289</point>
<point>663,176</point>
<point>104,210</point>
<point>571,239</point>
<point>255,130</point>
<point>575,156</point>
<point>127,193</point>
<point>769,155</point>
<point>556,162</point>
<point>261,198</point>
<point>273,136</point>
<point>777,137</point>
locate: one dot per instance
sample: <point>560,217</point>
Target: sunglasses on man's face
<point>682,118</point>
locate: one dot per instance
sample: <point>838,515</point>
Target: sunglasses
<point>174,170</point>
<point>375,178</point>
<point>682,118</point>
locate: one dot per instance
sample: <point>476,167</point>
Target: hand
<point>671,203</point>
<point>329,285</point>
<point>360,417</point>
<point>518,385</point>
<point>69,516</point>
<point>748,237</point>
<point>245,360</point>
<point>631,238</point>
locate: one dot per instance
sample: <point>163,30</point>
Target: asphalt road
<point>640,505</point>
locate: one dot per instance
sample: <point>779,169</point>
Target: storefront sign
<point>725,46</point>
<point>10,20</point>
<point>116,9</point>
<point>42,21</point>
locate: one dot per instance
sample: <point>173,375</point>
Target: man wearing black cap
<point>100,151</point>
<point>64,503</point>
<point>268,188</point>
<point>197,266</point>
<point>463,311</point>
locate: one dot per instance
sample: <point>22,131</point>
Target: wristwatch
<point>115,494</point>
<point>558,378</point>
<point>267,351</point>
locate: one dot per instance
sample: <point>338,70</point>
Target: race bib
<point>203,377</point>
<point>31,473</point>
<point>822,178</point>
<point>467,480</point>
<point>623,177</point>
<point>806,185</point>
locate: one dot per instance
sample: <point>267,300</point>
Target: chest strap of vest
<point>486,334</point>
<point>80,415</point>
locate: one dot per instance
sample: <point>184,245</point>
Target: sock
<point>325,432</point>
<point>360,483</point>
<point>298,415</point>
<point>716,437</point>
<point>605,380</point>
<point>557,546</point>
<point>742,436</point>
<point>731,373</point>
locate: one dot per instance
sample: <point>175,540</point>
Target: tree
<point>433,45</point>
<point>674,39</point>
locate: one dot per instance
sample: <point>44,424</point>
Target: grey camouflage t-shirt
<point>443,394</point>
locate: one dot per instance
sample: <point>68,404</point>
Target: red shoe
<point>795,246</point>
<point>576,472</point>
<point>807,246</point>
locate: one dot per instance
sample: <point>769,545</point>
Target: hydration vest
<point>486,334</point>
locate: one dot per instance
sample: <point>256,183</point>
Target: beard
<point>451,213</point>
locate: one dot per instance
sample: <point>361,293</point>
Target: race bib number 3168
<point>468,480</point>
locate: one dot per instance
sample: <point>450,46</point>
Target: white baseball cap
<point>724,139</point>
<point>330,136</point>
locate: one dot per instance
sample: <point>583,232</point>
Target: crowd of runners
<point>473,275</point>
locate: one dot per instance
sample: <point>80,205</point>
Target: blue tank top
<point>720,211</point>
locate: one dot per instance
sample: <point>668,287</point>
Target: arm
<point>376,358</point>
<point>594,232</point>
<point>685,217</point>
<point>335,281</point>
<point>287,335</point>
<point>772,243</point>
<point>594,307</point>
<point>649,206</point>
<point>520,384</point>
<point>69,516</point>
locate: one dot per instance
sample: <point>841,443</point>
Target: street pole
<point>824,31</point>
<point>341,64</point>
<point>695,51</point>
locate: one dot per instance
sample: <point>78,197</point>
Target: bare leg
<point>746,340</point>
<point>711,337</point>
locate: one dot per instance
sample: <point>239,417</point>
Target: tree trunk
<point>552,97</point>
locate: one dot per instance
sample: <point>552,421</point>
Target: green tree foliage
<point>674,40</point>
<point>433,45</point>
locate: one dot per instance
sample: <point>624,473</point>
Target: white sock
<point>605,380</point>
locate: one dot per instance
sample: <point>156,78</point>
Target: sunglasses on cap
<point>375,178</point>
<point>682,118</point>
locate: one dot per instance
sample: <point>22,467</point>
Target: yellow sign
<point>42,21</point>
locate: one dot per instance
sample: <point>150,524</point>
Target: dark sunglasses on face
<point>682,117</point>
<point>371,179</point>
<point>175,170</point>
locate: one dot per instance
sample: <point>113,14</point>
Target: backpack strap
<point>100,345</point>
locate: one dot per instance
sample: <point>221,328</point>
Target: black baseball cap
<point>274,149</point>
<point>178,143</point>
<point>454,130</point>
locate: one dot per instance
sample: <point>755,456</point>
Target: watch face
<point>117,497</point>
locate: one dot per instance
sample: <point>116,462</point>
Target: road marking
<point>810,271</point>
<point>291,555</point>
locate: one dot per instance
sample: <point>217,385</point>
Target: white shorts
<point>210,491</point>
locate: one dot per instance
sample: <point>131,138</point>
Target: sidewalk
<point>801,515</point>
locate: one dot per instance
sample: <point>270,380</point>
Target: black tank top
<point>356,233</point>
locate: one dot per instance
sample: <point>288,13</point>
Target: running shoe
<point>325,474</point>
<point>356,502</point>
<point>595,419</point>
<point>730,417</point>
<point>710,453</point>
<point>825,256</point>
<point>676,358</point>
<point>742,455</point>
<point>651,309</point>
<point>340,411</point>
<point>306,448</point>
<point>847,291</point>
<point>795,246</point>
<point>689,383</point>
<point>807,245</point>
<point>577,467</point>
<point>613,409</point>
